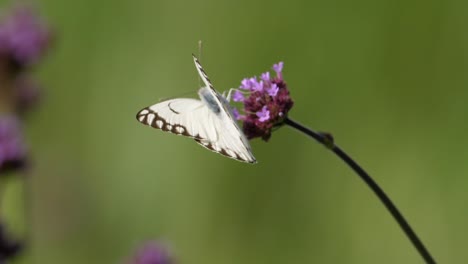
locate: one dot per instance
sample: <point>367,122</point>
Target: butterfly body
<point>208,121</point>
<point>207,97</point>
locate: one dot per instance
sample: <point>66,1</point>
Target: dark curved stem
<point>327,140</point>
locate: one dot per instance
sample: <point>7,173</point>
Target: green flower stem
<point>327,141</point>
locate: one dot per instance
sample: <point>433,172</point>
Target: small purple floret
<point>258,87</point>
<point>266,76</point>
<point>278,67</point>
<point>253,83</point>
<point>237,115</point>
<point>263,115</point>
<point>273,90</point>
<point>246,84</point>
<point>238,96</point>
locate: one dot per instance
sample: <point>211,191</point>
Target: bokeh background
<point>388,78</point>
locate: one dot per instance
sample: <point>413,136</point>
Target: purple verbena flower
<point>278,67</point>
<point>246,84</point>
<point>258,87</point>
<point>253,82</point>
<point>273,90</point>
<point>238,96</point>
<point>237,115</point>
<point>12,147</point>
<point>266,76</point>
<point>24,38</point>
<point>152,253</point>
<point>267,105</point>
<point>264,114</point>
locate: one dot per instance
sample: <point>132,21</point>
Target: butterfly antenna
<point>199,58</point>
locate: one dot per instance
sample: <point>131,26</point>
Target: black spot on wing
<point>151,118</point>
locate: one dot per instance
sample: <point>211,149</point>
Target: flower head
<point>24,38</point>
<point>152,253</point>
<point>12,148</point>
<point>267,104</point>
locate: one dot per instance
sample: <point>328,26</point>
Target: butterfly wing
<point>182,116</point>
<point>229,143</point>
<point>232,141</point>
<point>192,118</point>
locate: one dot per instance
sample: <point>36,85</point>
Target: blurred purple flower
<point>24,37</point>
<point>12,147</point>
<point>267,104</point>
<point>152,253</point>
<point>237,115</point>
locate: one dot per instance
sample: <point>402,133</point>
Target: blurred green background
<point>388,78</point>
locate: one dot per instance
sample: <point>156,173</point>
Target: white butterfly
<point>209,121</point>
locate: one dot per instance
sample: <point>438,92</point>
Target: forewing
<point>183,116</point>
<point>203,74</point>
